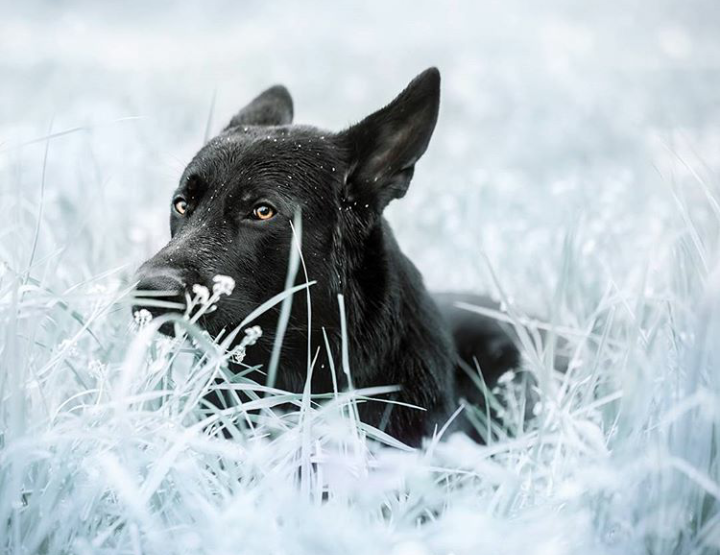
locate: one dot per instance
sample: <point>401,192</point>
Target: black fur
<point>339,183</point>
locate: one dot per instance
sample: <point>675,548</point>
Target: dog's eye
<point>180,205</point>
<point>263,212</point>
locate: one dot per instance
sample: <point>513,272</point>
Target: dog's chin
<point>217,328</point>
<point>168,329</point>
<point>213,327</point>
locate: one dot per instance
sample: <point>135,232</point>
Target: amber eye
<point>263,212</point>
<point>180,205</point>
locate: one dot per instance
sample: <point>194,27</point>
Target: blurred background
<point>555,115</point>
<point>574,166</point>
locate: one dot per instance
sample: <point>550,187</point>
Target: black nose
<point>158,293</point>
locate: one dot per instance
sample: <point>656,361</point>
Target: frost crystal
<point>202,294</point>
<point>68,346</point>
<point>224,285</point>
<point>97,369</point>
<point>252,334</point>
<point>237,356</point>
<point>98,289</point>
<point>507,377</point>
<point>142,318</point>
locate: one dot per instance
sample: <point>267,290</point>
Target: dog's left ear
<point>272,107</point>
<point>385,146</point>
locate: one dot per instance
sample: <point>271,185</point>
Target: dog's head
<point>233,210</point>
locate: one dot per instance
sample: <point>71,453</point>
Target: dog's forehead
<point>262,151</point>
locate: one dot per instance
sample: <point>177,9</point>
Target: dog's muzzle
<point>158,291</point>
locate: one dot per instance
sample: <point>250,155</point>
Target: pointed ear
<point>272,107</point>
<point>385,146</point>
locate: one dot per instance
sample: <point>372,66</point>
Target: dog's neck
<point>388,309</point>
<point>394,336</point>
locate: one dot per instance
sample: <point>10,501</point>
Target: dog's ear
<point>272,107</point>
<point>385,146</point>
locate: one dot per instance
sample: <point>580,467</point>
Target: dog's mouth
<point>196,306</point>
<point>148,305</point>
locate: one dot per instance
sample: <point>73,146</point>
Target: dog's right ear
<point>272,107</point>
<point>385,146</point>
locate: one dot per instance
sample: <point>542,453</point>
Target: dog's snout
<point>159,292</point>
<point>159,283</point>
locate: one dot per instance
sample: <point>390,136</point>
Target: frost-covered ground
<point>573,173</point>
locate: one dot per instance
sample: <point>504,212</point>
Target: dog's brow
<point>191,180</point>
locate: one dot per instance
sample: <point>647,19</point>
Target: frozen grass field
<point>573,175</point>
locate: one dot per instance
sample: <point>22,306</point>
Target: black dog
<point>232,214</point>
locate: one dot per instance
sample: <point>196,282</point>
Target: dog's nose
<point>158,293</point>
